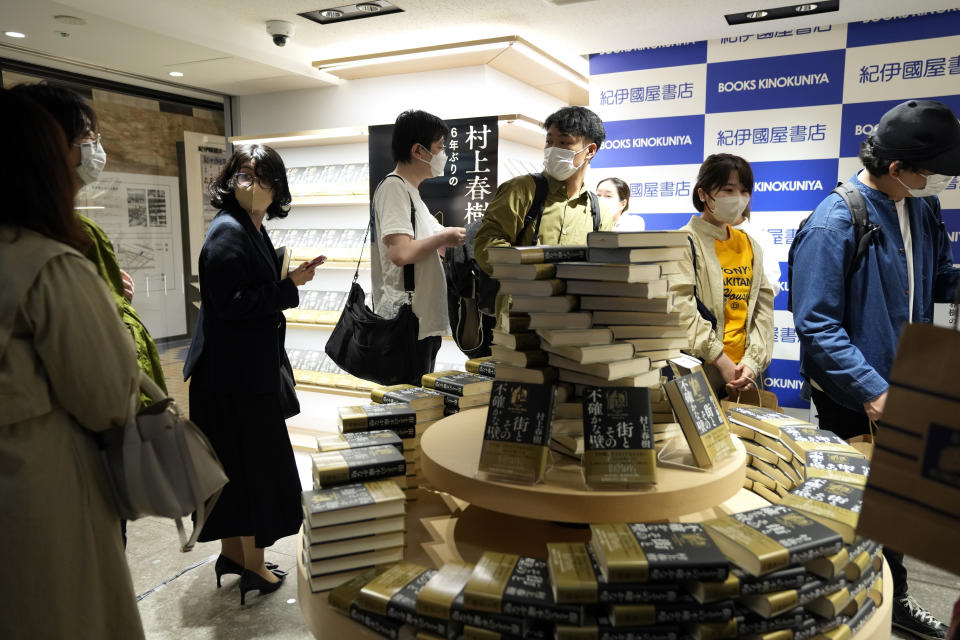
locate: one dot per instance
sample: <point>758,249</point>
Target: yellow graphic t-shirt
<point>736,263</point>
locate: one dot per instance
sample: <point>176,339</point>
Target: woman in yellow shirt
<point>722,294</point>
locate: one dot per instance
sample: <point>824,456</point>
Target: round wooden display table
<point>450,453</point>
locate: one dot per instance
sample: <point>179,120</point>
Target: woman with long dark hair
<point>236,387</point>
<point>68,369</point>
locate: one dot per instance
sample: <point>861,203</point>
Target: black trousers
<point>847,424</point>
<point>426,356</point>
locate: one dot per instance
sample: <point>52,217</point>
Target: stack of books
<point>349,528</point>
<point>460,389</point>
<point>537,300</point>
<point>403,409</point>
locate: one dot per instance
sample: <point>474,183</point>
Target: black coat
<point>238,343</point>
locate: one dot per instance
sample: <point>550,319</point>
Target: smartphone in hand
<point>316,262</point>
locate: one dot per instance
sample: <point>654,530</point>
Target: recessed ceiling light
<point>353,11</point>
<point>331,13</point>
<point>369,7</point>
<point>755,15</point>
<point>74,20</point>
<point>176,74</point>
<point>803,8</point>
<point>779,13</point>
<point>14,34</point>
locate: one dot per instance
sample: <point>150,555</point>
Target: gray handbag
<point>161,464</point>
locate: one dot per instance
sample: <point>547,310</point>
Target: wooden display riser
<point>450,453</point>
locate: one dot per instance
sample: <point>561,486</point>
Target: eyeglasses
<point>245,180</point>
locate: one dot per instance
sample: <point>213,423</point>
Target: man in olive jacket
<point>574,134</point>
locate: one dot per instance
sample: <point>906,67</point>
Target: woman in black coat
<point>237,392</point>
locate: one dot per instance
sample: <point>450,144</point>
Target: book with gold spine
<point>517,432</point>
<point>513,585</point>
<point>841,467</point>
<point>835,504</point>
<point>394,594</point>
<point>343,599</point>
<point>704,424</point>
<point>850,627</point>
<point>860,591</point>
<point>771,605</point>
<point>862,554</point>
<point>600,627</point>
<point>486,366</point>
<point>769,538</point>
<point>398,417</point>
<point>417,397</point>
<point>359,440</point>
<point>830,566</point>
<point>576,578</point>
<point>457,383</point>
<point>618,438</point>
<point>766,420</point>
<point>352,465</point>
<point>642,615</point>
<point>656,552</point>
<point>352,502</point>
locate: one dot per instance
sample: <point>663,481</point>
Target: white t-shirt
<point>771,268</point>
<point>630,222</point>
<point>391,205</point>
<point>904,216</point>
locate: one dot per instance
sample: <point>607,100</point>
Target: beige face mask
<point>254,198</point>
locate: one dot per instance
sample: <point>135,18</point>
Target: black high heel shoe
<point>250,581</point>
<point>226,566</point>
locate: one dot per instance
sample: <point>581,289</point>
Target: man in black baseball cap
<point>852,291</point>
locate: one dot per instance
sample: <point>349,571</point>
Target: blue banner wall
<point>796,103</point>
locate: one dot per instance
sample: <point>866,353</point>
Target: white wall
<point>451,93</point>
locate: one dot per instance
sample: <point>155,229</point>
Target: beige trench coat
<point>67,369</point>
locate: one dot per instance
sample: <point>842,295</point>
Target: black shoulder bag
<point>369,346</point>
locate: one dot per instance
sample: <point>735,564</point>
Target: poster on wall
<point>796,102</point>
<point>141,216</point>
<point>204,157</point>
<point>469,180</point>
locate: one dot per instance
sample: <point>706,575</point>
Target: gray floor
<point>179,599</point>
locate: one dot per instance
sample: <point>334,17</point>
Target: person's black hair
<point>623,190</point>
<point>578,121</point>
<point>415,127</point>
<point>875,164</point>
<point>74,115</point>
<point>268,167</point>
<point>36,180</point>
<point>714,173</point>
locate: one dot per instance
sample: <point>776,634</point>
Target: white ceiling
<point>222,45</point>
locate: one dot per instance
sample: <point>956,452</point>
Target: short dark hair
<point>623,189</point>
<point>74,115</point>
<point>715,171</point>
<point>415,127</point>
<point>267,165</point>
<point>36,180</point>
<point>578,121</point>
<point>875,164</point>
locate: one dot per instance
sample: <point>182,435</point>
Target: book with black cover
<point>618,438</point>
<point>394,594</point>
<point>352,465</point>
<point>340,441</point>
<point>835,504</point>
<point>344,600</point>
<point>352,502</point>
<point>656,552</point>
<point>764,540</point>
<point>517,432</point>
<point>833,465</point>
<point>458,383</point>
<point>704,425</point>
<point>417,397</point>
<point>536,254</point>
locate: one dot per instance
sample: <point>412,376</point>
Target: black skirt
<point>248,433</point>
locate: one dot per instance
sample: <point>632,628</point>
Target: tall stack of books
<point>350,527</point>
<point>404,409</point>
<point>460,389</point>
<point>537,299</point>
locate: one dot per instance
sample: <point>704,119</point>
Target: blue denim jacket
<point>849,327</point>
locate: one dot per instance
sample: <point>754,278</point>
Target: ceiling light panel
<point>368,9</point>
<point>779,13</point>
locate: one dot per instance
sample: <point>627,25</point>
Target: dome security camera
<point>280,31</point>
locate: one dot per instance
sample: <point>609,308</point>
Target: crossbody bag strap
<point>408,281</point>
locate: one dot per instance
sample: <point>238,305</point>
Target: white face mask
<point>92,159</point>
<point>935,184</point>
<point>438,162</point>
<point>729,208</point>
<point>558,163</point>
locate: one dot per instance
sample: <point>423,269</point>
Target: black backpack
<point>472,292</point>
<point>865,233</point>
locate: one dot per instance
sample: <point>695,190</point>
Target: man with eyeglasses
<point>848,313</point>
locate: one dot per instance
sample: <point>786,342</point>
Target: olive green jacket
<point>101,254</point>
<point>565,220</point>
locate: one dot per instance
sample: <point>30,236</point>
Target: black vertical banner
<point>469,180</point>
